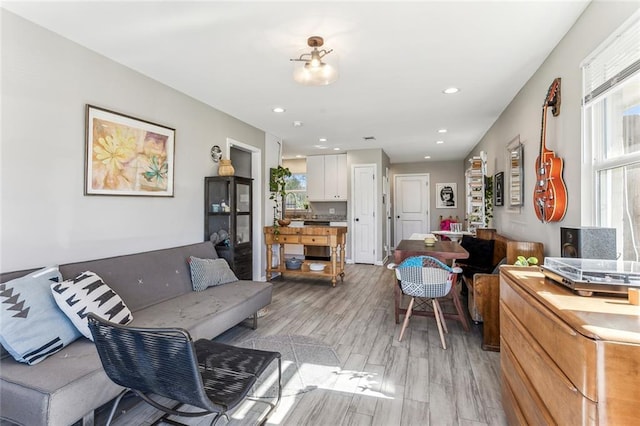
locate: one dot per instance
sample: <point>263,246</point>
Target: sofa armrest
<point>487,296</point>
<point>486,290</point>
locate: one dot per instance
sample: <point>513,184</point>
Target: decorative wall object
<point>498,191</point>
<point>446,195</point>
<point>515,161</point>
<point>127,156</point>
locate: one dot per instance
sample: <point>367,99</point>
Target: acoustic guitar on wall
<point>550,192</point>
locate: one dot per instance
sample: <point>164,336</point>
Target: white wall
<point>46,83</point>
<point>523,117</point>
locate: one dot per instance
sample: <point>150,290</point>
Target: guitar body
<point>550,192</point>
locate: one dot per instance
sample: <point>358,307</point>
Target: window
<point>611,120</point>
<point>296,192</point>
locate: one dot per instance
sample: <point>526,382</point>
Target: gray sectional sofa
<point>69,385</point>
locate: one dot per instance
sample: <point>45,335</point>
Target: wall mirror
<point>515,168</point>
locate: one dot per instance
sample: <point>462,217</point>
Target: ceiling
<point>395,59</point>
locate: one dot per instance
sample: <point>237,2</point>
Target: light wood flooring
<point>413,382</point>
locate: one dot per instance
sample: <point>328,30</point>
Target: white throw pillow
<point>88,293</point>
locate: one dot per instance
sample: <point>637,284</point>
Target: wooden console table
<point>331,236</point>
<point>566,359</point>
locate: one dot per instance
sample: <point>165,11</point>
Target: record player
<point>588,276</point>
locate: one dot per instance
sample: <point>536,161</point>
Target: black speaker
<point>588,242</point>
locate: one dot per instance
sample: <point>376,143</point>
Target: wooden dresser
<point>566,359</point>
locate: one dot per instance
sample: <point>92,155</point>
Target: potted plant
<point>277,185</point>
<point>488,202</point>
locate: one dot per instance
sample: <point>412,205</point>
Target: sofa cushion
<point>32,325</point>
<point>480,251</point>
<point>88,293</point>
<point>209,272</point>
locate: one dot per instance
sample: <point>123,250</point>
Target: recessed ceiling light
<point>322,139</point>
<point>279,109</point>
<point>427,157</point>
<point>297,124</point>
<point>320,146</point>
<point>442,131</point>
<point>336,149</point>
<point>439,142</point>
<point>451,90</point>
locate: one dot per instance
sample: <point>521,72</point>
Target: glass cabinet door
<point>243,200</point>
<point>243,231</point>
<point>242,213</point>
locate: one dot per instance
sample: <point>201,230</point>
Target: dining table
<point>452,235</point>
<point>445,251</point>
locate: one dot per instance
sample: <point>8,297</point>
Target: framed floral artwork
<point>127,156</point>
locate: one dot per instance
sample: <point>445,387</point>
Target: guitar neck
<point>543,147</point>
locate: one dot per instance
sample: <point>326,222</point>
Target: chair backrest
<point>159,361</point>
<point>526,249</point>
<point>424,276</point>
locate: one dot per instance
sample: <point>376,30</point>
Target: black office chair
<point>211,376</point>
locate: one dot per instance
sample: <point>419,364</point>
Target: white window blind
<point>615,60</point>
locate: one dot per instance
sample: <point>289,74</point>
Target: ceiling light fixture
<point>278,109</point>
<point>322,139</point>
<point>427,157</point>
<point>312,68</point>
<point>439,142</point>
<point>336,149</point>
<point>451,90</point>
<point>442,131</point>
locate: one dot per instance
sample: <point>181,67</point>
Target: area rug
<point>307,364</point>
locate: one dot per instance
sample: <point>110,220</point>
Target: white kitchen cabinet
<point>327,177</point>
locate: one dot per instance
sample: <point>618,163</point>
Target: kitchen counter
<point>318,219</point>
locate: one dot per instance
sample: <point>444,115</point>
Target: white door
<point>364,211</point>
<point>411,205</point>
<point>387,214</point>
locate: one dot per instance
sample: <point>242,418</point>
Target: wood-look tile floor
<point>413,382</point>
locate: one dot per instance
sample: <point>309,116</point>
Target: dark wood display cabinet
<point>228,217</point>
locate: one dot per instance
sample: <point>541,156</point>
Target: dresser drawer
<point>526,405</point>
<point>574,354</point>
<point>557,393</point>
<point>314,240</point>
<point>288,239</point>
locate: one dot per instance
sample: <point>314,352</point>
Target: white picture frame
<point>446,195</point>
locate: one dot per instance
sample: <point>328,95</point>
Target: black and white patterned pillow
<point>88,293</point>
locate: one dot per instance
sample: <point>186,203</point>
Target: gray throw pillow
<point>32,325</point>
<point>209,272</point>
